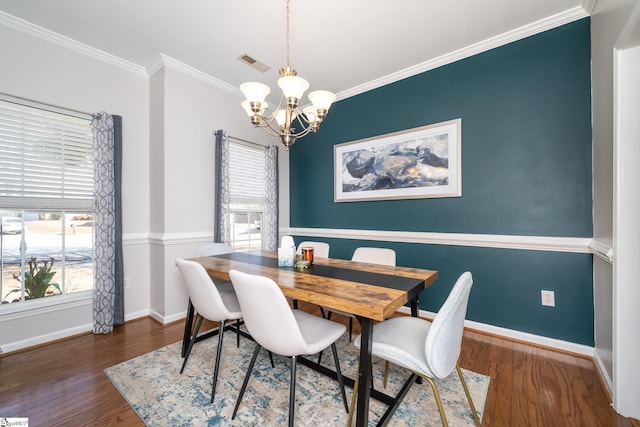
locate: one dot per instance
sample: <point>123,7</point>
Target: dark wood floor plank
<point>498,404</point>
<point>63,383</point>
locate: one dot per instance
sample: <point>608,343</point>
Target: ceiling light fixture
<point>287,114</point>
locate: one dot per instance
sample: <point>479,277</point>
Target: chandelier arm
<point>269,127</point>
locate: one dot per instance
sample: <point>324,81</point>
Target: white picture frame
<point>411,164</point>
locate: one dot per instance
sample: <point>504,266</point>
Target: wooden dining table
<point>371,292</point>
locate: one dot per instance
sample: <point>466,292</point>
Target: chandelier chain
<point>287,30</point>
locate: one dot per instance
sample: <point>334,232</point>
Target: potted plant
<point>37,280</point>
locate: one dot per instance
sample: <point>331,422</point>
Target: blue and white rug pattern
<point>161,396</point>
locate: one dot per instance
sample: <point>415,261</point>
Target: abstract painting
<point>415,163</point>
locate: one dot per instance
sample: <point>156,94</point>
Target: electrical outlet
<point>548,298</point>
<point>126,283</point>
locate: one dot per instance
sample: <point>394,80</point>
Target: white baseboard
<point>167,319</point>
<point>137,315</point>
<point>517,335</point>
<point>604,374</point>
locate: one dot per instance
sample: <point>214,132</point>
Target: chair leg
<point>292,391</point>
<point>271,359</point>
<point>386,374</point>
<point>339,375</point>
<point>191,341</point>
<point>350,328</point>
<point>218,354</point>
<point>246,380</point>
<point>353,397</point>
<point>324,316</point>
<point>238,333</point>
<point>466,391</point>
<point>328,317</point>
<point>438,401</point>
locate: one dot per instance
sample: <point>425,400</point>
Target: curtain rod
<point>55,108</point>
<point>250,143</point>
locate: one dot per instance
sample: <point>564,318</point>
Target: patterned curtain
<point>222,228</point>
<point>108,301</point>
<point>270,215</point>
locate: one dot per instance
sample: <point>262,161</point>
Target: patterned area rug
<point>162,396</point>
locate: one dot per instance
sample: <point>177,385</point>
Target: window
<point>46,198</point>
<point>246,194</point>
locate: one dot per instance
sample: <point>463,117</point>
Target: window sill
<point>46,304</point>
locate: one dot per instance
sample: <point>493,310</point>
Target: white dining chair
<point>217,303</point>
<point>428,349</point>
<point>382,256</point>
<point>212,249</point>
<point>320,249</point>
<point>277,328</point>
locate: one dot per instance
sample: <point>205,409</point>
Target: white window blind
<point>246,173</point>
<point>45,159</point>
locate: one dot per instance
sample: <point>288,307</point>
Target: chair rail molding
<point>167,239</point>
<point>536,243</point>
<point>602,250</point>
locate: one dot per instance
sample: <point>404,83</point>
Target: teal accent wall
<point>526,170</point>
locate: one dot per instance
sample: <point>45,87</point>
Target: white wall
<point>43,71</point>
<point>607,20</point>
<point>616,290</point>
<point>183,175</point>
<point>626,295</point>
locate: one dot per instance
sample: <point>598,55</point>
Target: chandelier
<point>287,121</point>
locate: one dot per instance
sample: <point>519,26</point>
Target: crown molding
<point>163,60</point>
<point>545,24</point>
<point>589,6</point>
<point>66,42</point>
<point>501,241</point>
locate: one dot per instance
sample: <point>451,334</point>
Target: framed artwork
<point>411,164</point>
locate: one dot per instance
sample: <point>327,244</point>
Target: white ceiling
<point>338,45</point>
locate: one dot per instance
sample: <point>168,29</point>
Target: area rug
<point>161,396</point>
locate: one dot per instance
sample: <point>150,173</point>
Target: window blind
<point>46,159</point>
<point>246,173</point>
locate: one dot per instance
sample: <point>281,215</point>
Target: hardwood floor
<point>62,384</point>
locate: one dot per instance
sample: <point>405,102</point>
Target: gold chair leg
<point>352,409</point>
<point>386,373</point>
<point>438,401</point>
<point>466,390</point>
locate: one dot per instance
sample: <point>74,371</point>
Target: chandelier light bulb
<point>293,86</point>
<point>246,106</point>
<point>322,99</point>
<point>254,91</point>
<point>281,118</point>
